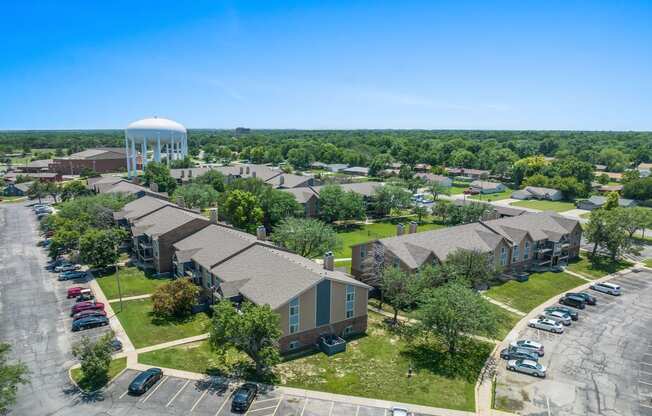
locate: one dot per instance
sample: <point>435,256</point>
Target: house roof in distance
<point>140,207</point>
<point>98,154</point>
<point>164,220</point>
<point>212,244</point>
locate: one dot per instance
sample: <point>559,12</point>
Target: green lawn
<point>457,189</point>
<point>507,193</point>
<point>115,367</point>
<point>648,262</point>
<point>601,268</point>
<point>506,321</point>
<point>133,282</point>
<point>374,366</point>
<point>12,198</point>
<point>357,234</point>
<point>558,206</point>
<point>525,296</point>
<point>144,329</point>
<point>344,264</point>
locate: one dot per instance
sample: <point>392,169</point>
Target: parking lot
<point>212,397</point>
<point>601,365</point>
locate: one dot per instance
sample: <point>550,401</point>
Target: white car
<point>399,411</point>
<point>559,317</point>
<point>546,325</point>
<point>608,288</point>
<point>527,367</point>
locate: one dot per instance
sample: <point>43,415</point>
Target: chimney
<point>153,186</point>
<point>413,227</point>
<point>261,233</point>
<point>183,173</point>
<point>247,170</point>
<point>213,215</point>
<point>253,173</point>
<point>400,229</point>
<point>189,173</point>
<point>181,202</point>
<point>281,180</point>
<point>329,261</point>
<point>241,170</point>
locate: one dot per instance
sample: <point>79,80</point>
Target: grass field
<point>525,296</point>
<point>648,262</point>
<point>12,198</point>
<point>601,268</point>
<point>144,328</point>
<point>374,366</point>
<point>507,193</point>
<point>506,321</point>
<point>357,234</point>
<point>115,367</point>
<point>133,282</point>
<point>558,206</point>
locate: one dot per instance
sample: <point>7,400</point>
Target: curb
<point>74,383</point>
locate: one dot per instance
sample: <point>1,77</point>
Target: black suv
<point>574,301</point>
<point>243,397</point>
<point>589,299</point>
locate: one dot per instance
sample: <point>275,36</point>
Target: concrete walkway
<point>148,295</point>
<point>174,343</point>
<point>504,306</point>
<point>484,391</point>
<point>581,276</point>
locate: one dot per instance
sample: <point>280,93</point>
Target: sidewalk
<point>148,295</point>
<point>502,305</point>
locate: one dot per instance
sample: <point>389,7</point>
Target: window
<point>350,301</point>
<point>526,252</point>
<point>363,251</point>
<point>347,331</point>
<point>515,253</point>
<point>294,315</point>
<point>294,345</point>
<point>503,256</point>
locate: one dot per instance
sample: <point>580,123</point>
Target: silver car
<point>557,316</point>
<point>608,288</point>
<point>529,345</point>
<point>546,325</point>
<point>527,367</point>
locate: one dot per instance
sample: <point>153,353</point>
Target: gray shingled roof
<point>139,207</point>
<point>543,225</point>
<point>303,194</point>
<point>212,245</point>
<point>601,200</point>
<point>266,275</point>
<point>363,188</point>
<point>164,220</point>
<point>99,153</point>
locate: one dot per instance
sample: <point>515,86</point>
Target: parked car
<point>67,267</point>
<point>144,381</point>
<point>399,411</point>
<point>85,297</point>
<point>589,299</point>
<point>574,315</point>
<point>89,312</point>
<point>521,277</point>
<point>75,291</point>
<point>546,325</point>
<point>71,274</point>
<point>608,288</point>
<point>512,353</point>
<point>83,306</point>
<point>243,397</point>
<point>471,191</point>
<point>559,317</point>
<point>87,322</point>
<point>116,345</point>
<point>529,345</point>
<point>574,301</point>
<point>527,367</point>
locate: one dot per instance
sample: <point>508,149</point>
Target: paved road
<point>601,365</point>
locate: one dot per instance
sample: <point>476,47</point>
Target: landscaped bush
<point>175,298</point>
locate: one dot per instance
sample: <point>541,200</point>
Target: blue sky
<point>327,64</point>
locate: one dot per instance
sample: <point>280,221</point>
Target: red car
<point>75,291</point>
<point>84,306</point>
<point>89,312</point>
<point>471,191</point>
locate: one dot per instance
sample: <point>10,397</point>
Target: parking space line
<point>198,400</point>
<point>330,412</point>
<point>124,394</point>
<point>278,405</point>
<point>645,372</point>
<point>644,363</point>
<point>223,404</point>
<point>304,406</point>
<point>143,400</point>
<point>262,408</point>
<point>645,405</point>
<point>645,382</point>
<point>357,410</point>
<point>266,400</point>
<point>177,393</point>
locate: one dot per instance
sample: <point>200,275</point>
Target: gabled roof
<point>212,244</point>
<point>140,207</point>
<point>24,186</point>
<point>303,194</point>
<point>164,220</point>
<point>539,191</point>
<point>540,226</point>
<point>267,275</point>
<point>486,184</point>
<point>43,163</point>
<point>363,188</point>
<point>601,200</point>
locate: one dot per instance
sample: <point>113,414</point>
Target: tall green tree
<point>398,289</point>
<point>175,298</point>
<point>197,195</point>
<point>472,267</point>
<point>391,197</point>
<point>243,210</point>
<point>11,376</point>
<point>159,174</point>
<point>454,311</point>
<point>254,330</point>
<point>94,358</point>
<point>99,247</point>
<point>336,205</point>
<point>306,237</point>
